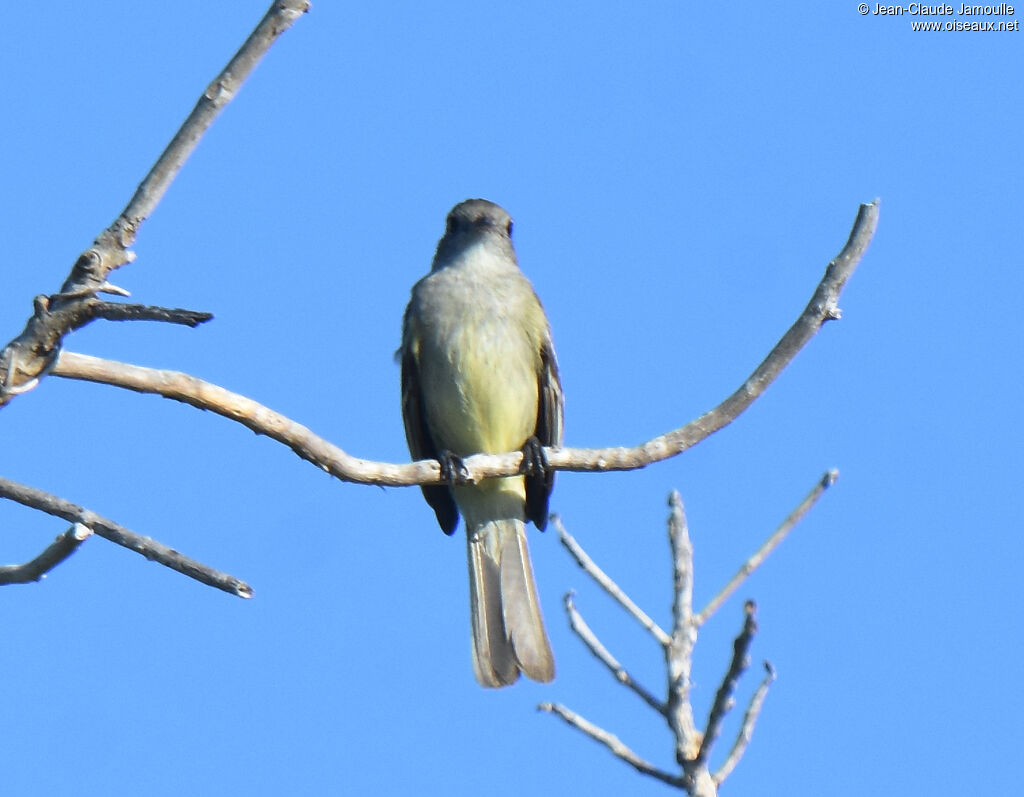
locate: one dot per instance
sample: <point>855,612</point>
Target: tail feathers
<point>508,631</point>
<point>521,609</point>
<point>494,661</point>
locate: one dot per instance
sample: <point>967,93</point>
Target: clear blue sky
<point>680,175</point>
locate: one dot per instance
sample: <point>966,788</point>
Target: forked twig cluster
<point>692,745</point>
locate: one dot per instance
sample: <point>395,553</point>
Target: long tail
<point>508,631</point>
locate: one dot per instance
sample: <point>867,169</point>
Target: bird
<point>479,375</point>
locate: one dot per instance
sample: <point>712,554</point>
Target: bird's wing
<point>548,433</point>
<point>417,435</point>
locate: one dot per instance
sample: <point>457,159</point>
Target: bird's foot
<point>452,470</point>
<point>535,462</point>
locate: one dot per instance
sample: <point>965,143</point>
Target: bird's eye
<point>508,229</point>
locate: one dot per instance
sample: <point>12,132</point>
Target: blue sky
<point>680,176</point>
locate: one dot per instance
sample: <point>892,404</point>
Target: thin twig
<point>49,328</point>
<point>747,728</point>
<point>595,646</point>
<point>769,545</point>
<point>108,529</point>
<point>181,387</point>
<point>111,248</point>
<point>112,311</point>
<point>611,741</point>
<point>57,551</point>
<point>679,653</point>
<point>723,698</point>
<point>606,583</point>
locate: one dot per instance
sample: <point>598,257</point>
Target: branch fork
<point>693,746</point>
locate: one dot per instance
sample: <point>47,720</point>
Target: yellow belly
<point>481,391</point>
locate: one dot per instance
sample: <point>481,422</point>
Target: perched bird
<point>479,376</point>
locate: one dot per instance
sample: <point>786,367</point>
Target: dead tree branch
<point>55,553</point>
<point>108,529</point>
<point>723,697</point>
<point>111,311</point>
<point>754,562</point>
<point>746,731</point>
<point>611,741</point>
<point>602,654</point>
<point>679,653</point>
<point>609,586</point>
<point>692,746</point>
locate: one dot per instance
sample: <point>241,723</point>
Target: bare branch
<point>679,653</point>
<point>151,549</point>
<point>30,355</point>
<point>261,419</point>
<point>78,314</point>
<point>49,328</point>
<point>110,250</point>
<point>823,306</point>
<point>747,728</point>
<point>112,311</point>
<point>606,583</point>
<point>769,545</point>
<point>611,741</point>
<point>692,747</point>
<point>59,550</point>
<point>595,646</point>
<point>181,387</point>
<point>723,698</point>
